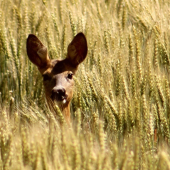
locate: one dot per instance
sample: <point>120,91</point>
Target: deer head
<point>58,74</point>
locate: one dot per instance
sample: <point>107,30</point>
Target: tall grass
<point>121,104</point>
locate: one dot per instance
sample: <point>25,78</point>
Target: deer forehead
<point>59,66</point>
<point>57,69</point>
<point>61,77</point>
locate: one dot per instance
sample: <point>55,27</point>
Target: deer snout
<point>59,94</point>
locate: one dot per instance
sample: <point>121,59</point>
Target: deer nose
<point>58,94</point>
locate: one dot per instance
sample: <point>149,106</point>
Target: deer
<point>57,74</point>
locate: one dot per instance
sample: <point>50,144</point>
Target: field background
<point>121,104</point>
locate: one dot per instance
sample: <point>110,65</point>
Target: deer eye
<point>46,77</point>
<point>70,76</point>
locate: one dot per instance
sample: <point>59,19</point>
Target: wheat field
<point>121,104</point>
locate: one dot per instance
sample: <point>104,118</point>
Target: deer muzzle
<point>59,94</point>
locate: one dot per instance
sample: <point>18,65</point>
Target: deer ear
<point>36,51</point>
<point>77,49</point>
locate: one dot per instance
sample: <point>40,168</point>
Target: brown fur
<point>57,74</point>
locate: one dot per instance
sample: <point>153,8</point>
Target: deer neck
<point>65,109</point>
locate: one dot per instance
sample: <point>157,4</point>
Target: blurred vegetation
<point>121,104</point>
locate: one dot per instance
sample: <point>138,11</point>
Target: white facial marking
<point>64,101</point>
